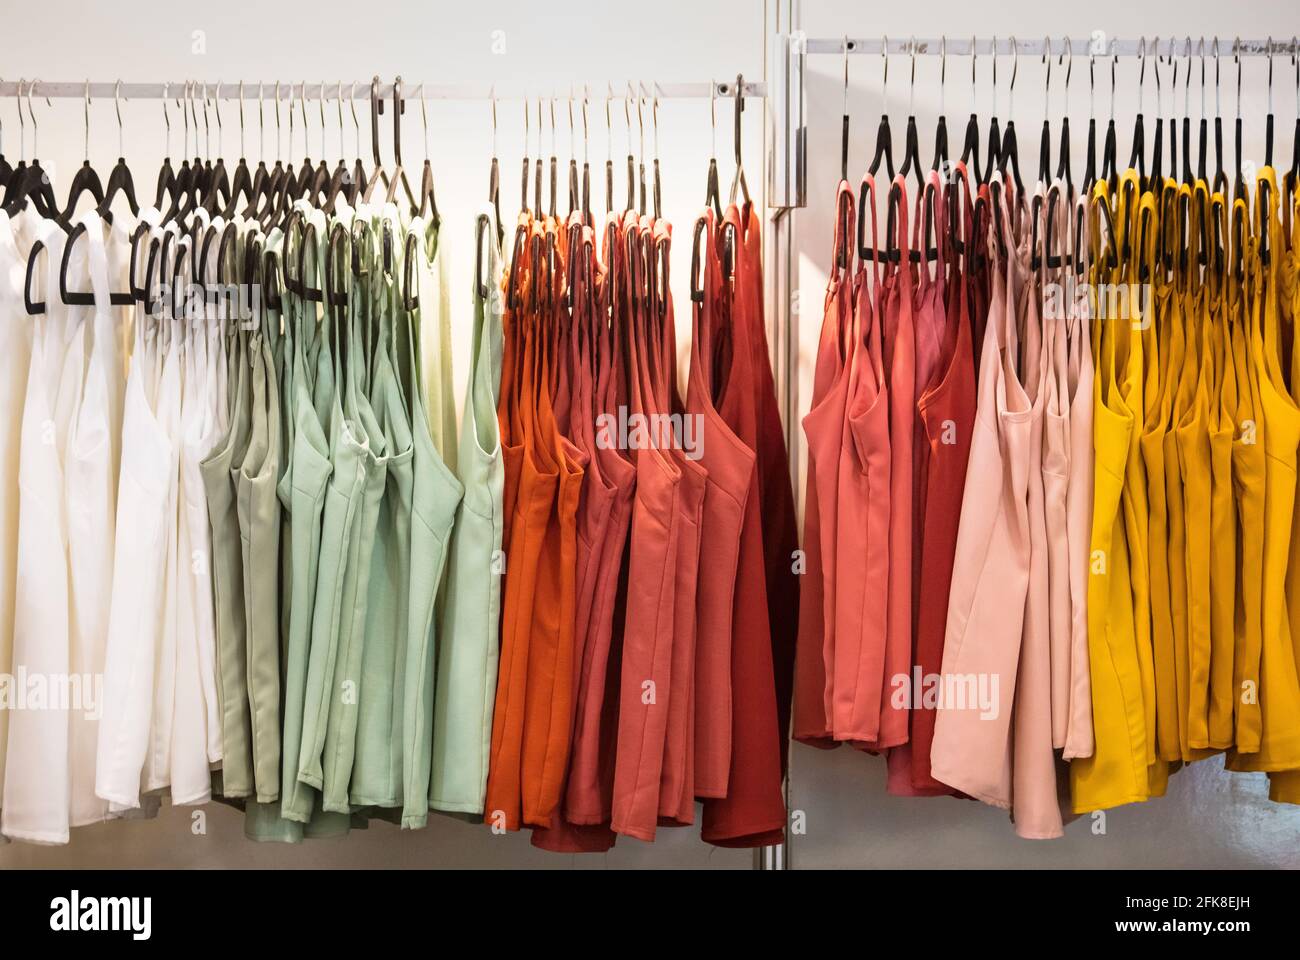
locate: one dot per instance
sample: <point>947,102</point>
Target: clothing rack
<point>360,90</point>
<point>1097,45</point>
<point>786,147</point>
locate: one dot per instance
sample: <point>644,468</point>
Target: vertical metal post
<point>785,144</point>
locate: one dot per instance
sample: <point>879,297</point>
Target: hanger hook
<point>1215,49</point>
<point>911,90</point>
<point>1114,59</point>
<point>167,120</point>
<point>338,99</point>
<point>627,115</point>
<point>424,118</point>
<point>1015,69</point>
<point>241,119</point>
<point>117,105</point>
<point>1155,67</point>
<point>572,138</point>
<point>1270,73</point>
<point>974,85</point>
<point>654,115</point>
<point>884,83</point>
<point>1236,56</point>
<point>36,131</point>
<point>216,106</point>
<point>609,122</point>
<point>740,109</point>
<point>713,117</point>
<point>846,74</point>
<point>207,129</point>
<point>1069,70</point>
<point>492,96</point>
<point>322,121</point>
<point>32,115</point>
<point>993,53</point>
<point>1047,83</point>
<point>1295,62</point>
<point>302,105</point>
<point>586,128</point>
<point>1200,51</point>
<point>87,113</point>
<point>640,123</point>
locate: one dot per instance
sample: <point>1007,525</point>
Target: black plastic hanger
<point>307,174</point>
<point>884,138</point>
<point>1137,159</point>
<point>993,160</point>
<point>555,165</point>
<point>1202,137</point>
<point>575,190</point>
<point>341,177</point>
<point>494,178</point>
<point>428,206</point>
<point>911,149</point>
<point>844,121</point>
<point>738,179</point>
<point>219,192</point>
<point>970,148</point>
<point>1157,141</point>
<point>940,161</point>
<point>586,163</point>
<point>1090,167</point>
<point>713,192</point>
<point>166,184</point>
<point>86,179</point>
<point>1220,177</point>
<point>1293,175</point>
<point>266,180</point>
<point>189,178</point>
<point>1045,140</point>
<point>1010,149</point>
<point>376,108</point>
<point>1109,170</point>
<point>527,165</point>
<point>34,183</point>
<point>1239,182</point>
<point>1063,164</point>
<point>119,178</point>
<point>642,193</point>
<point>241,184</point>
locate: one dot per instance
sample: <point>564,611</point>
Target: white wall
<point>1208,819</point>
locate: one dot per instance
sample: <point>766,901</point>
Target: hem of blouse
<point>192,801</point>
<point>455,806</point>
<point>635,833</point>
<point>1049,835</point>
<point>37,837</point>
<point>955,783</point>
<point>387,803</point>
<point>129,801</point>
<point>1109,804</point>
<point>735,836</point>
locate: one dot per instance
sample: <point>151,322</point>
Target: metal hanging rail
<point>1098,44</point>
<point>360,90</point>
